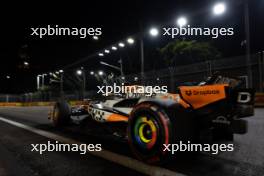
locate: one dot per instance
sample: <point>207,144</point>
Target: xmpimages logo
<point>133,90</point>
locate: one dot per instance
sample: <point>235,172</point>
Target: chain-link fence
<point>187,74</point>
<point>46,96</point>
<point>172,76</point>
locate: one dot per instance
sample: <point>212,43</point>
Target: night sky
<point>118,20</point>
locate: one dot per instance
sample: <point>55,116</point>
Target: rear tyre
<point>61,114</point>
<point>150,127</point>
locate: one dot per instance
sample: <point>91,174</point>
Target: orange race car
<point>210,110</point>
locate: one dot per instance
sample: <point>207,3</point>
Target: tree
<point>182,52</point>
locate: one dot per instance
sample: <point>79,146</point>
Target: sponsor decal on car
<point>206,92</point>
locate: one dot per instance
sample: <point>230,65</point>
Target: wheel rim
<point>145,132</point>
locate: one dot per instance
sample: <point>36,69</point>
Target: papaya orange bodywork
<point>117,118</point>
<point>199,96</point>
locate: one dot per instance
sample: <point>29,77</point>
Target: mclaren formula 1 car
<point>213,109</point>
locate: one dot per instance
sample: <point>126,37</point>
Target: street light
<point>91,72</point>
<point>154,32</point>
<point>247,32</point>
<point>219,8</point>
<point>43,80</point>
<point>114,48</point>
<point>182,21</point>
<point>7,77</point>
<point>26,63</point>
<point>122,45</point>
<point>107,51</point>
<point>54,75</point>
<point>38,82</point>
<point>95,37</point>
<point>130,40</point>
<point>114,67</point>
<point>42,77</point>
<point>61,71</point>
<point>100,73</point>
<point>101,54</point>
<point>79,72</point>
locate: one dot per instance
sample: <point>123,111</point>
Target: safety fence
<point>251,71</point>
<point>175,76</point>
<point>259,102</point>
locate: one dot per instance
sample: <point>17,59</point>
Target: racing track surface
<point>16,157</point>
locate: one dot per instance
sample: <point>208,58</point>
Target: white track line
<point>116,158</point>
